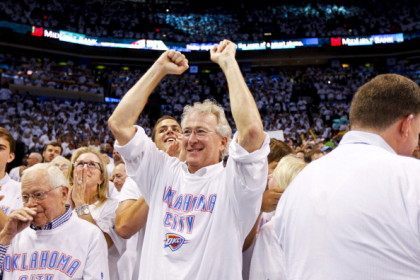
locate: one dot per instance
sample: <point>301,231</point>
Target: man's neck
<point>387,134</point>
<point>51,221</point>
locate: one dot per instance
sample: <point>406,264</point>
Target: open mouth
<point>195,150</point>
<point>170,140</point>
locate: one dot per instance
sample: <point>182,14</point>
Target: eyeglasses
<point>89,164</point>
<point>37,196</point>
<point>199,132</point>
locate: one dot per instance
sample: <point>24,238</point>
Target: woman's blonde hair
<point>286,170</point>
<point>103,187</point>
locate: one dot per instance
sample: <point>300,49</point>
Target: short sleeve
<point>105,220</point>
<point>129,191</point>
<point>143,161</point>
<point>246,181</point>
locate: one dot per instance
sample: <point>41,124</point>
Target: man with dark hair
<point>132,211</point>
<point>166,134</point>
<point>9,188</point>
<point>51,150</point>
<point>354,213</point>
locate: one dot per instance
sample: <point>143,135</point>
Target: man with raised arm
<point>200,211</point>
<point>131,215</point>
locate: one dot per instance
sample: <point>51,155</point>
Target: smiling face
<point>203,145</point>
<point>167,132</point>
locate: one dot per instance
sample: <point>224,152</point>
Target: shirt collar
<point>4,180</point>
<point>367,138</point>
<point>56,222</point>
<point>207,170</point>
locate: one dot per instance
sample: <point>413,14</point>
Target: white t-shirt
<point>15,173</point>
<point>112,191</point>
<point>76,249</point>
<point>104,216</point>
<point>11,190</point>
<point>197,223</point>
<point>353,214</point>
<point>267,259</point>
<point>248,254</point>
<point>129,263</point>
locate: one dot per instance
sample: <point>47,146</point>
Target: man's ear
<point>405,126</point>
<point>224,142</point>
<point>65,192</point>
<point>11,157</point>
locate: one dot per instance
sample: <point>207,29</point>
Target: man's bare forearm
<point>243,107</point>
<point>131,217</point>
<point>125,116</point>
<point>244,110</point>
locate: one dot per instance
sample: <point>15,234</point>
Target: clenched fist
<point>172,62</point>
<point>223,53</point>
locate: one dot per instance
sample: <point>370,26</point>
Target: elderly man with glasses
<point>44,240</point>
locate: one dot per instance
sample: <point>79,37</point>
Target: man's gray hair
<point>54,174</point>
<point>211,107</point>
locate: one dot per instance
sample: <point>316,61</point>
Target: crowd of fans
<point>305,103</point>
<point>43,72</point>
<point>128,19</point>
<point>106,221</point>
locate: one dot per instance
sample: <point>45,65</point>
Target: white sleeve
<point>129,191</point>
<point>251,168</point>
<point>267,259</point>
<point>14,174</point>
<point>410,187</point>
<point>97,261</point>
<point>247,180</point>
<point>112,191</point>
<point>143,161</point>
<point>105,220</point>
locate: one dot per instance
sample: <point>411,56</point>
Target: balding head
<point>34,158</point>
<point>119,175</point>
<point>44,189</point>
